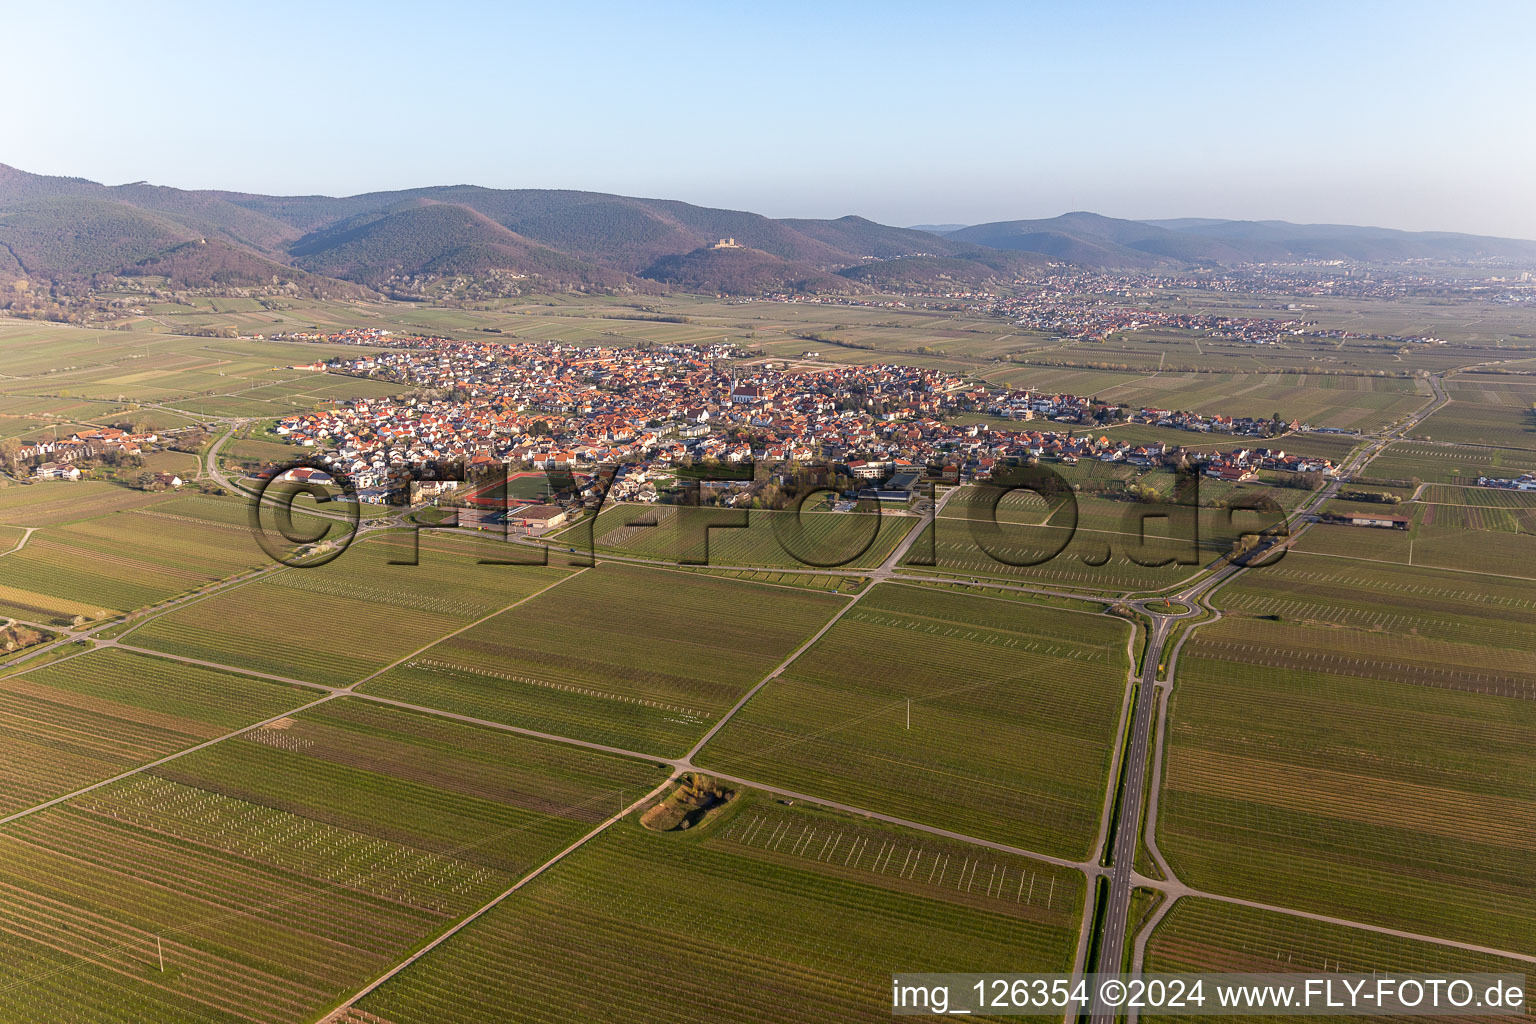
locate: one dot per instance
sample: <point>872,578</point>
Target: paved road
<point>1117,917</point>
<point>1144,714</point>
<point>1129,826</point>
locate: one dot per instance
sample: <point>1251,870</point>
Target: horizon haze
<point>1396,115</point>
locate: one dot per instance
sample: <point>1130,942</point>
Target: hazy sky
<point>1398,114</point>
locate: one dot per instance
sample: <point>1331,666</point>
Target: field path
<point>461,629</point>
<point>1152,719</point>
<point>884,572</point>
<point>602,826</point>
<point>30,530</point>
<point>169,757</point>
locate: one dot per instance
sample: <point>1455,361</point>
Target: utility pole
<point>909,712</point>
<point>160,952</point>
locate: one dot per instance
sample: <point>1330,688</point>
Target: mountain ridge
<point>560,239</point>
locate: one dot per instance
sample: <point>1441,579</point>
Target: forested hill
<point>520,240</point>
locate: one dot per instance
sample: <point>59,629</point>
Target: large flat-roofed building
<point>1377,520</point>
<point>537,517</point>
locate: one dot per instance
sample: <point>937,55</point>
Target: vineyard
<point>1012,710</point>
<point>633,657</point>
<point>1448,464</point>
<point>1481,497</point>
<point>75,723</point>
<point>1319,749</point>
<point>770,539</point>
<point>277,873</point>
<point>1509,424</point>
<point>337,623</point>
<point>61,501</point>
<point>772,915</point>
<point>120,561</point>
<point>1204,935</point>
<point>809,580</point>
<point>1108,545</point>
<point>1444,537</point>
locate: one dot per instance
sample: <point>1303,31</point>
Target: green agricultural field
<point>1479,497</point>
<point>1357,739</point>
<point>633,657</point>
<point>1101,550</point>
<point>339,622</point>
<point>136,549</point>
<point>1201,935</point>
<point>76,722</point>
<point>1321,400</point>
<point>279,872</point>
<point>1447,464</point>
<point>1474,423</point>
<point>53,502</point>
<point>1013,711</point>
<point>768,914</point>
<point>811,580</point>
<point>258,451</point>
<point>111,368</point>
<point>1489,542</point>
<point>771,539</point>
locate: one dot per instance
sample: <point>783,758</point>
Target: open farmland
<point>337,623</point>
<point>767,914</point>
<point>1486,410</point>
<point>277,873</point>
<point>771,539</point>
<point>1098,549</point>
<point>87,374</point>
<point>70,724</point>
<point>1471,422</point>
<point>1205,935</point>
<point>1486,541</point>
<point>790,578</point>
<point>1013,709</point>
<point>1448,463</point>
<point>395,746</point>
<point>124,558</point>
<point>1478,497</point>
<point>1321,750</point>
<point>632,657</point>
<point>56,502</point>
<point>1321,400</point>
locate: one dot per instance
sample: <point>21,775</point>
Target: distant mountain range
<point>410,242</point>
<point>1092,240</point>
